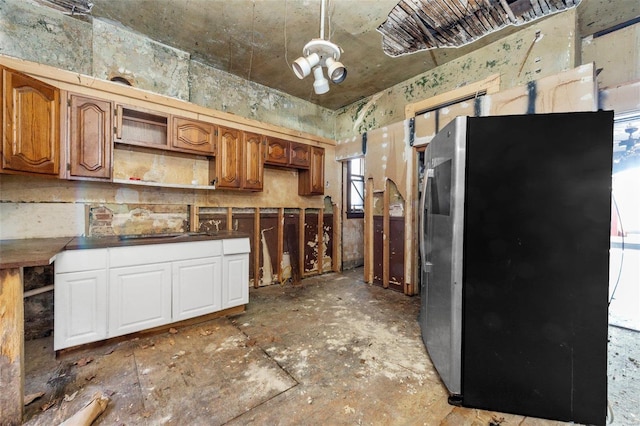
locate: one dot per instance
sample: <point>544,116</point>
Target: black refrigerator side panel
<point>536,262</point>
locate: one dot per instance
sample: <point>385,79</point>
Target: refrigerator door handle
<point>423,217</point>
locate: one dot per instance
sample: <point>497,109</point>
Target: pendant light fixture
<point>320,53</point>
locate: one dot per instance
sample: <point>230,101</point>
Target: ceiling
<point>258,40</point>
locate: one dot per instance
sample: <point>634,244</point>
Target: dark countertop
<point>137,240</point>
<point>30,252</point>
<point>42,251</point>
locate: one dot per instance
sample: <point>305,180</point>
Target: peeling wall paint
<point>150,65</point>
<point>554,52</point>
<point>125,219</point>
<point>226,92</point>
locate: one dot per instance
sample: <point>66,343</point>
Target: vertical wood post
<point>368,231</point>
<point>301,223</point>
<point>386,252</point>
<point>320,240</point>
<point>229,218</point>
<point>280,233</point>
<point>11,346</point>
<point>194,220</point>
<point>337,240</point>
<point>257,246</point>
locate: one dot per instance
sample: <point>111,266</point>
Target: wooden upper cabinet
<point>137,126</point>
<point>300,155</point>
<point>90,137</point>
<point>311,181</point>
<point>229,159</point>
<point>193,135</point>
<point>278,152</point>
<point>287,153</point>
<point>253,166</point>
<point>30,125</point>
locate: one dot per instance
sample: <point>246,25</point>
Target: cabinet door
<point>139,298</point>
<point>278,152</point>
<point>90,137</point>
<point>311,181</point>
<point>300,155</point>
<point>31,125</point>
<point>80,314</point>
<point>235,280</point>
<point>229,159</point>
<point>193,135</point>
<point>197,287</point>
<point>253,161</point>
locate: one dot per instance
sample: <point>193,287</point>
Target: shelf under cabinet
<point>161,184</point>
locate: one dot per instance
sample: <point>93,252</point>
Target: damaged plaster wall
<point>46,220</point>
<point>102,49</point>
<point>143,62</point>
<point>517,57</point>
<point>39,34</point>
<point>255,101</point>
<point>618,65</point>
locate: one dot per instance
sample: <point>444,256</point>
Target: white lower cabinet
<point>235,272</point>
<point>139,298</point>
<point>103,293</point>
<point>235,275</point>
<point>80,309</point>
<point>197,287</point>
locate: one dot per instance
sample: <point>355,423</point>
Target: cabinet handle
<point>118,128</point>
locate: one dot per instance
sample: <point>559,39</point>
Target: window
<point>355,188</point>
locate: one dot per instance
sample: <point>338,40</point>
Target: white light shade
<point>337,72</point>
<point>321,84</point>
<point>302,66</point>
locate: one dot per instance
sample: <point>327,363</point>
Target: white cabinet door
<point>235,280</point>
<point>80,314</point>
<point>197,287</point>
<point>139,298</point>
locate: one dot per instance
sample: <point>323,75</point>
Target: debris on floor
<point>89,412</point>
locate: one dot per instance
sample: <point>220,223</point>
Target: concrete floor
<point>331,351</point>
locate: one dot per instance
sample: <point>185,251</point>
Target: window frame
<point>350,211</point>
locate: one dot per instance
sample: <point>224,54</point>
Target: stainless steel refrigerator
<point>514,241</point>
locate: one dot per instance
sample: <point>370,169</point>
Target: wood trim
<point>93,86</point>
<point>489,85</point>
